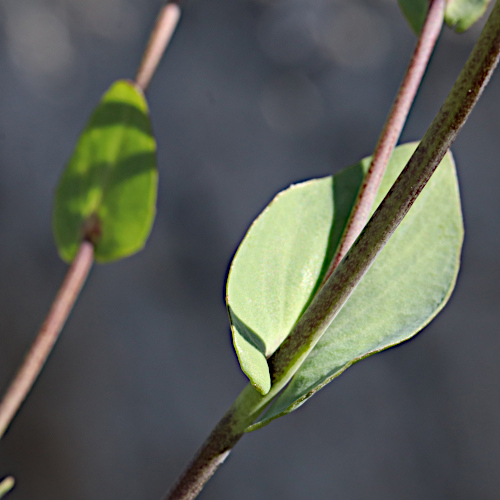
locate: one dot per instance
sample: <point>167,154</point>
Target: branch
<point>330,299</point>
<point>164,28</point>
<point>392,130</point>
<point>47,336</point>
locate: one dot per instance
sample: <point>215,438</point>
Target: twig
<point>165,25</point>
<point>333,295</point>
<point>392,130</point>
<point>47,336</point>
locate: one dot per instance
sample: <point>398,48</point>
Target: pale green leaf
<point>408,284</point>
<point>462,14</point>
<point>275,271</point>
<point>109,185</point>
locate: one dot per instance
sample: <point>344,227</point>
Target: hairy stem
<point>392,130</point>
<point>164,28</point>
<point>47,335</point>
<point>329,300</point>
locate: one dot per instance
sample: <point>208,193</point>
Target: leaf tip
<point>6,485</point>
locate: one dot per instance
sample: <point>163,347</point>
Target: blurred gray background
<point>251,96</point>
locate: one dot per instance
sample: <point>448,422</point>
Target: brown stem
<point>211,455</point>
<point>392,130</point>
<point>165,25</point>
<point>219,444</point>
<point>47,336</point>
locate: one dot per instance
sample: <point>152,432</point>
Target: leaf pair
<point>107,193</point>
<point>282,260</point>
<point>459,14</point>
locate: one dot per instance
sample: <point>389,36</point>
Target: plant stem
<point>163,30</point>
<point>329,300</point>
<point>392,130</point>
<point>220,442</point>
<point>47,335</point>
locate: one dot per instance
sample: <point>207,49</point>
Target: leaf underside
<point>275,271</point>
<point>459,14</point>
<point>109,186</point>
<point>409,283</point>
<point>286,252</point>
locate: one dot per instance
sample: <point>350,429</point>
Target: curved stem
<point>165,25</point>
<point>47,335</point>
<point>332,296</point>
<point>392,130</point>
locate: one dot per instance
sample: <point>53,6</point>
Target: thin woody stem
<point>392,130</point>
<point>164,28</point>
<point>333,295</point>
<point>47,336</point>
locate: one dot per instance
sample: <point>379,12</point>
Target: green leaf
<point>108,189</point>
<point>409,283</point>
<point>6,485</point>
<point>415,12</point>
<point>462,14</point>
<point>274,272</point>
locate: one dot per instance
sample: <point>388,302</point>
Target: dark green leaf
<point>408,284</point>
<point>462,14</point>
<point>108,189</point>
<point>415,12</point>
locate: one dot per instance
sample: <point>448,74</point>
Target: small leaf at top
<point>415,12</point>
<point>408,284</point>
<point>107,192</point>
<point>462,14</point>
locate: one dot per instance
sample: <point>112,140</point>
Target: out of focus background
<point>251,96</point>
